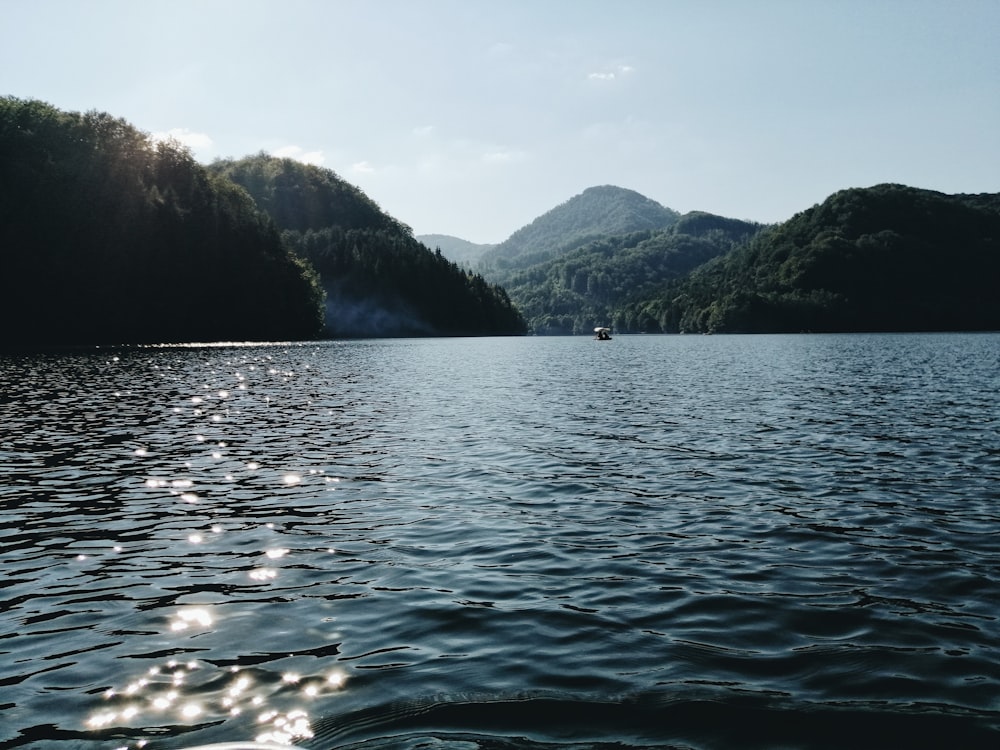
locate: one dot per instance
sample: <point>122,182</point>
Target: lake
<point>504,544</point>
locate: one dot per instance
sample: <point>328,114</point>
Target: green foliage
<point>379,280</point>
<point>108,237</point>
<point>597,212</point>
<point>592,285</point>
<point>887,258</point>
<point>303,197</point>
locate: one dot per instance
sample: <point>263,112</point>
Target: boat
<point>602,334</point>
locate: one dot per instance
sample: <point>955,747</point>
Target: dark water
<point>485,544</point>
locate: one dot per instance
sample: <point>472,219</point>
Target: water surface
<point>657,541</point>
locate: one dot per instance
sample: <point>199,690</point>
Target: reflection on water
<point>186,693</point>
<point>673,541</point>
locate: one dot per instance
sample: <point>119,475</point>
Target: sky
<point>473,117</point>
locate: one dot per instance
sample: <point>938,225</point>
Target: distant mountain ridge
<point>96,215</point>
<point>589,285</point>
<point>885,258</point>
<point>456,249</point>
<point>600,211</point>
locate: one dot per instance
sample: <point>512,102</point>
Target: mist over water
<point>669,541</point>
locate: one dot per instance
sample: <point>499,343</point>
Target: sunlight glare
<point>102,719</point>
<point>287,727</point>
<point>197,616</point>
<point>190,710</point>
<point>337,679</point>
<point>164,701</point>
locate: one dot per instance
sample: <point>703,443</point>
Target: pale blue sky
<point>473,117</point>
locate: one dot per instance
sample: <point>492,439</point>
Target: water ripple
<point>691,542</point>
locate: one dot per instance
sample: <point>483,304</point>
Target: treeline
<point>592,285</point>
<point>379,280</point>
<point>107,237</point>
<point>886,258</point>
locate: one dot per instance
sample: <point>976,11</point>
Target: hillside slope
<point>885,258</point>
<point>591,285</point>
<point>595,213</point>
<point>379,280</point>
<point>108,237</point>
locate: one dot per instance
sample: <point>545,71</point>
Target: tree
<point>106,237</point>
<point>379,280</point>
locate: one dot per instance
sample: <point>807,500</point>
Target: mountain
<point>455,249</point>
<point>109,238</point>
<point>595,213</point>
<point>379,280</point>
<point>590,285</point>
<point>885,258</point>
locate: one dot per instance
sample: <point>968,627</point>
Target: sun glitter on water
<point>186,692</point>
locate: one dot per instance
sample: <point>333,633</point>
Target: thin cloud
<point>297,153</point>
<point>362,167</point>
<point>618,71</point>
<point>184,136</point>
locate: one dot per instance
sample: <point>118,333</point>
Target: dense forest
<point>596,213</point>
<point>886,258</point>
<point>592,285</point>
<point>107,237</point>
<point>379,280</point>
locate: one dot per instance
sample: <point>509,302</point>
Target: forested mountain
<point>886,258</point>
<point>591,285</point>
<point>106,237</point>
<point>597,212</point>
<point>464,253</point>
<point>379,280</point>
